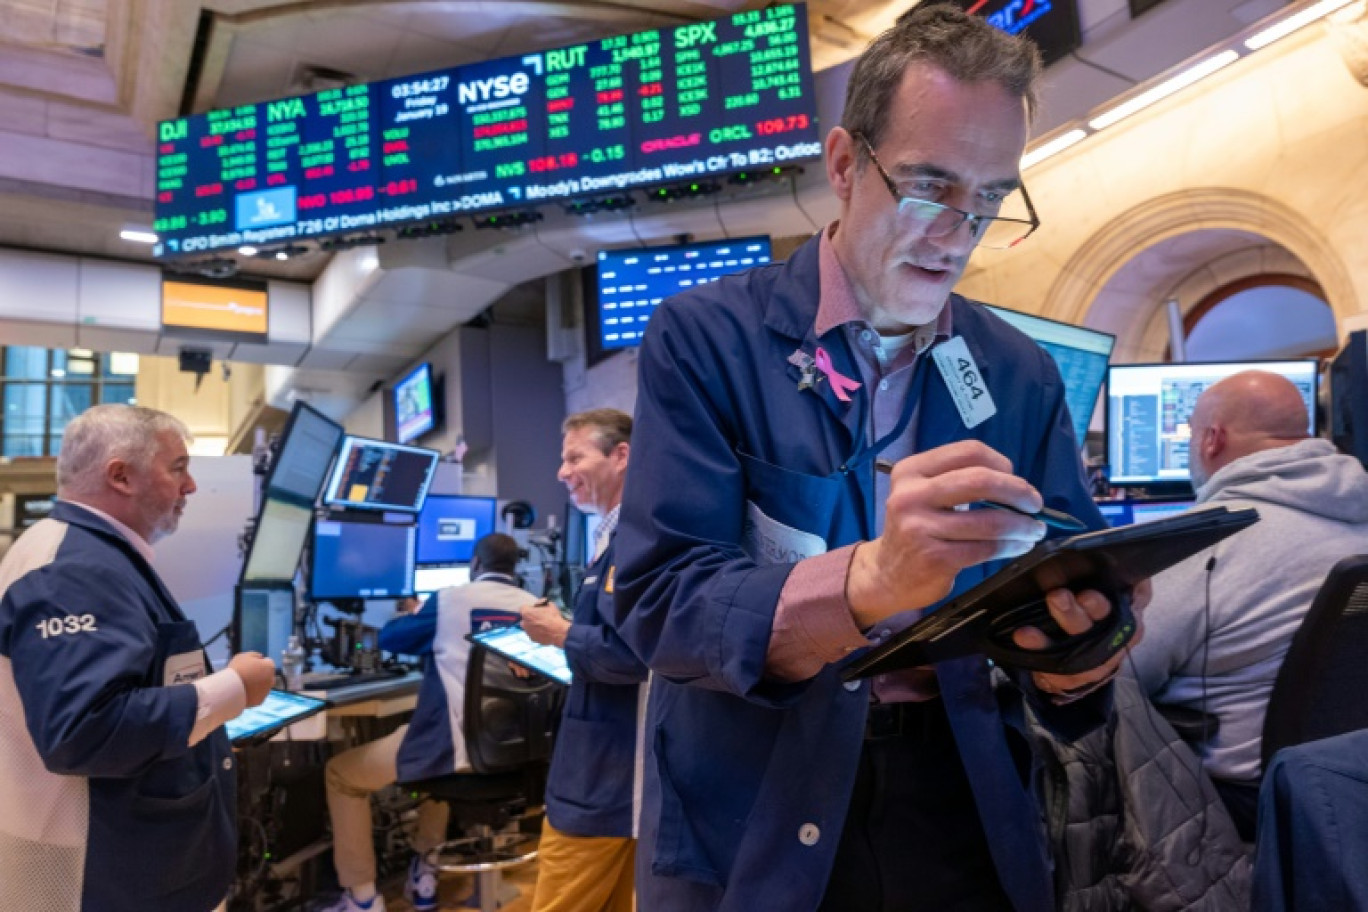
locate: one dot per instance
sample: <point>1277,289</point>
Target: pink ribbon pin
<point>840,384</point>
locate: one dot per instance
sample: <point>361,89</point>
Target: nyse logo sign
<point>495,88</point>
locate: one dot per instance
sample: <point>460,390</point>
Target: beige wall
<point>214,411</point>
<point>1262,167</point>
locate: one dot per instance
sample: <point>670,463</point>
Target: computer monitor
<point>1081,354</point>
<point>451,524</point>
<point>306,450</point>
<point>1349,397</point>
<point>361,560</point>
<point>281,530</point>
<point>1149,408</point>
<point>427,580</point>
<point>415,411</point>
<point>379,475</point>
<point>263,618</point>
<point>1149,511</point>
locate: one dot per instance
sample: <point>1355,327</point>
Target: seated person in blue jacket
<point>116,778</point>
<point>585,859</point>
<point>759,547</point>
<point>432,744</point>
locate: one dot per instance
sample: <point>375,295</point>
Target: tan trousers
<point>351,777</point>
<point>583,873</point>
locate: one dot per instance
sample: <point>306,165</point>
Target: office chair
<point>508,724</point>
<point>1320,688</point>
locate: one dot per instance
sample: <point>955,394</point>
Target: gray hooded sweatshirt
<point>1232,625</point>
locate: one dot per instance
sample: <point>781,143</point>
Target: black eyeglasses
<point>937,220</point>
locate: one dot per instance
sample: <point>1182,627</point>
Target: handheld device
<point>281,708</point>
<point>1110,561</point>
<point>514,644</point>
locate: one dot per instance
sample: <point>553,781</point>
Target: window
<point>41,390</point>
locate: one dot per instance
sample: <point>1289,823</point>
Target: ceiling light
<point>1293,23</point>
<point>1164,89</point>
<point>1053,147</point>
<point>248,250</point>
<point>141,236</point>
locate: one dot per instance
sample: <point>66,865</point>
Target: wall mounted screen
<point>1149,408</point>
<point>659,106</point>
<point>414,410</point>
<point>632,283</point>
<point>378,475</point>
<point>366,560</point>
<point>1081,354</point>
<point>1051,24</point>
<point>214,309</point>
<point>450,525</point>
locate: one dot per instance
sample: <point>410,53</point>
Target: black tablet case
<point>1110,561</point>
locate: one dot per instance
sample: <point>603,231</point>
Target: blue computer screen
<point>1081,354</point>
<point>362,560</point>
<point>632,283</point>
<point>450,525</point>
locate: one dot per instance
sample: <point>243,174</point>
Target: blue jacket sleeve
<point>412,634</point>
<point>689,601</point>
<point>597,653</point>
<point>90,700</point>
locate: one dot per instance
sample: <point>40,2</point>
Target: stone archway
<point>1183,245</point>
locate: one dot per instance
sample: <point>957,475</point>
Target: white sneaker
<point>420,888</point>
<point>348,903</point>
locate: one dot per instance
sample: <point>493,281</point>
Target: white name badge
<point>768,541</point>
<point>185,668</point>
<point>965,382</point>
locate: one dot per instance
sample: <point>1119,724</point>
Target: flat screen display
<point>1127,512</point>
<point>1081,354</point>
<point>632,283</point>
<point>222,309</point>
<point>427,580</point>
<point>306,451</point>
<point>282,528</point>
<point>379,475</point>
<point>1149,409</point>
<point>450,525</point>
<point>659,106</point>
<point>364,560</point>
<point>414,412</point>
<point>265,619</point>
<point>1051,24</point>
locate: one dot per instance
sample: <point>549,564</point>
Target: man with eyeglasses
<point>759,548</point>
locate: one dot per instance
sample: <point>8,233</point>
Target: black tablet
<point>1110,561</point>
<point>514,644</point>
<point>281,708</point>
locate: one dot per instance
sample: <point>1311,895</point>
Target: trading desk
<point>374,699</point>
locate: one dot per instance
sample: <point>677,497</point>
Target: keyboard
<point>353,679</point>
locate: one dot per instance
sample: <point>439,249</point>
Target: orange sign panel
<point>214,307</point>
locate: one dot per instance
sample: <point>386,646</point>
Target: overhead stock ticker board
<point>654,107</point>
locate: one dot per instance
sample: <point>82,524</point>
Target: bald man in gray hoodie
<point>1221,622</point>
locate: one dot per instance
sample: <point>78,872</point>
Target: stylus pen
<point>1052,518</point>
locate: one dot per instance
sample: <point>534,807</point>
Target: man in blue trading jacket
<point>587,846</point>
<point>432,744</point>
<point>116,778</point>
<point>759,547</point>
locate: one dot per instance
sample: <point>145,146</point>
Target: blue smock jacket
<point>589,788</point>
<point>106,807</point>
<point>747,780</point>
